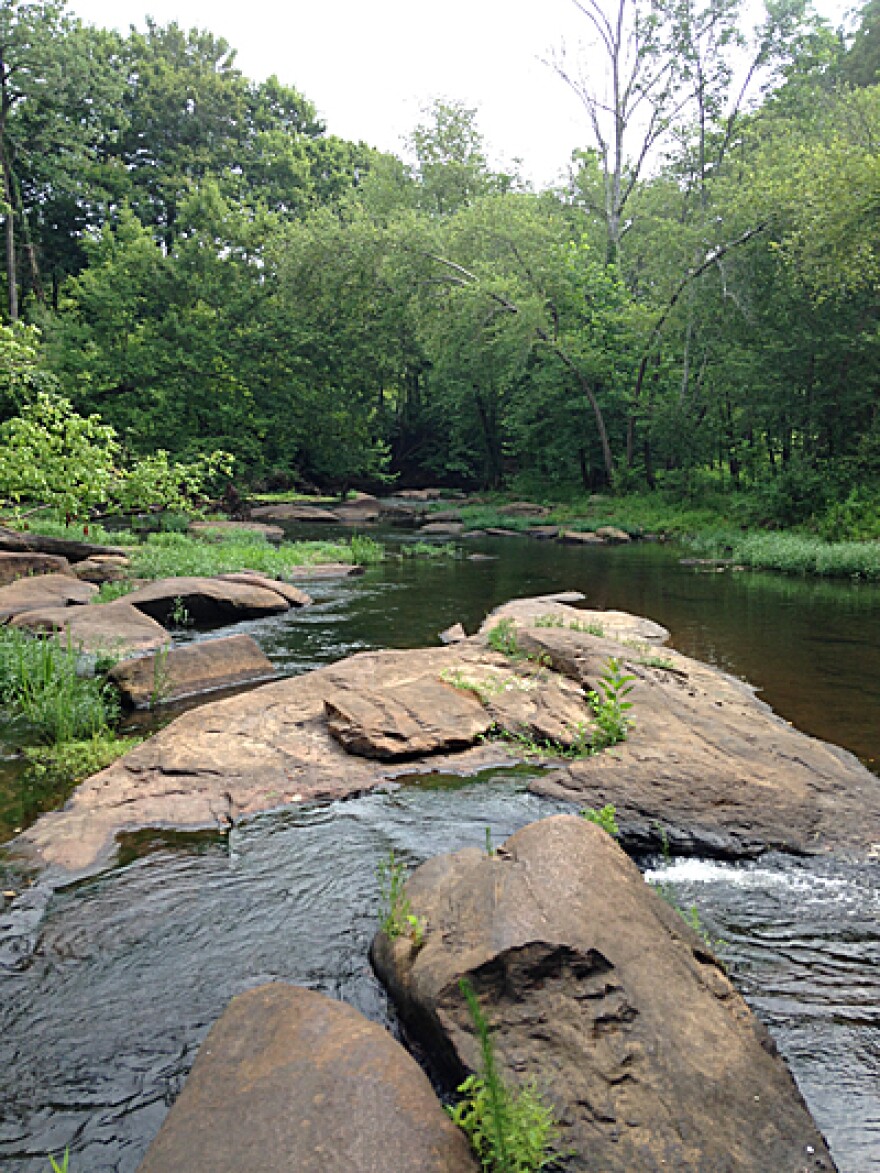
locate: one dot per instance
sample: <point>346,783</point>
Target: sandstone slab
<point>68,548</point>
<point>599,992</point>
<point>115,627</point>
<point>294,596</point>
<point>573,537</point>
<point>272,533</point>
<point>409,719</point>
<point>98,570</point>
<point>531,614</point>
<point>290,1081</point>
<point>449,529</point>
<point>207,602</point>
<point>324,570</point>
<point>24,565</point>
<point>310,514</point>
<point>43,590</point>
<point>196,668</point>
<point>610,533</point>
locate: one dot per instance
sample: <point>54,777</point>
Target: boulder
<point>272,533</point>
<point>359,509</point>
<point>572,537</point>
<point>450,529</point>
<point>523,509</point>
<point>446,515</point>
<point>41,591</point>
<point>195,668</point>
<point>499,532</point>
<point>207,602</point>
<point>310,514</point>
<point>324,570</point>
<point>610,533</point>
<point>74,551</point>
<point>25,565</point>
<point>453,635</point>
<point>598,991</point>
<point>543,532</point>
<point>569,623</point>
<point>114,627</point>
<point>290,1081</point>
<point>98,570</point>
<point>419,494</point>
<point>294,596</point>
<point>410,719</point>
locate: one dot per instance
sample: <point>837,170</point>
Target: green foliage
<point>395,912</point>
<point>794,553</point>
<point>502,638</point>
<point>511,1131</point>
<point>42,691</point>
<point>610,706</point>
<point>61,1166</point>
<point>604,818</point>
<point>365,551</point>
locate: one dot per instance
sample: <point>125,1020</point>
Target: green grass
<point>794,553</point>
<point>181,555</point>
<point>42,695</point>
<point>91,532</point>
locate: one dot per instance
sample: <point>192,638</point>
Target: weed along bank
<point>500,957</point>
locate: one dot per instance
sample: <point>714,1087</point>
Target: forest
<point>195,260</point>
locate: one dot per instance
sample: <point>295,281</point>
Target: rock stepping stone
<point>24,565</point>
<point>596,989</point>
<point>291,1081</point>
<point>207,602</point>
<point>196,668</point>
<point>41,591</point>
<point>116,627</point>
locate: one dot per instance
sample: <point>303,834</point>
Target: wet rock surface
<point>290,1081</point>
<point>200,667</point>
<point>597,990</point>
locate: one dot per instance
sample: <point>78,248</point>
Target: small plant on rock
<point>510,1131</point>
<point>396,917</point>
<point>606,818</point>
<point>502,638</point>
<point>610,706</point>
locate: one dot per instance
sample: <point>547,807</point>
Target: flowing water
<point>99,1027</point>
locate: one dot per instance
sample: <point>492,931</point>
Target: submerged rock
<point>199,667</point>
<point>599,992</point>
<point>290,1081</point>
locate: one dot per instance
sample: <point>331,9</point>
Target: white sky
<point>370,65</point>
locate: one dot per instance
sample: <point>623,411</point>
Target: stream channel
<point>99,1027</point>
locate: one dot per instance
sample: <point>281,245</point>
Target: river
<point>99,1028</point>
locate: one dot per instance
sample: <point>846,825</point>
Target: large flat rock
<point>598,991</point>
<point>207,602</point>
<point>706,764</point>
<point>43,590</point>
<point>308,514</point>
<point>117,627</point>
<point>199,667</point>
<point>68,548</point>
<point>24,565</point>
<point>290,1081</point>
<point>409,719</point>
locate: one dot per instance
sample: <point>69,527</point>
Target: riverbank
<point>710,529</point>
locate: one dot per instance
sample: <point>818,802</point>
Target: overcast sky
<point>370,66</point>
